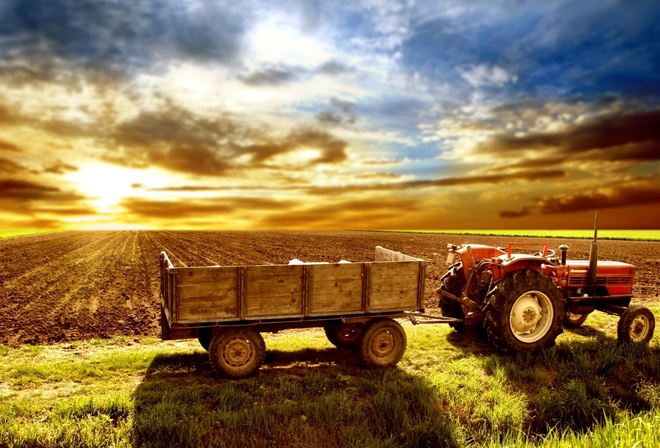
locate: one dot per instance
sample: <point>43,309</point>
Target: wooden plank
<point>383,254</point>
<point>335,288</point>
<point>205,294</point>
<point>393,286</point>
<point>273,290</point>
<point>196,276</point>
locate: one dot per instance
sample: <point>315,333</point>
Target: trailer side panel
<point>335,288</point>
<point>274,291</point>
<point>208,293</point>
<point>394,286</point>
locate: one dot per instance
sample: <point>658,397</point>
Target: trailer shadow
<point>315,397</point>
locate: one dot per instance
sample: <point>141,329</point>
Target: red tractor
<point>522,301</point>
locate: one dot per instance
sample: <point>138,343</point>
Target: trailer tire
<point>204,337</point>
<point>237,353</point>
<point>574,320</point>
<point>343,335</point>
<point>636,325</point>
<point>453,282</point>
<point>383,343</point>
<point>525,312</point>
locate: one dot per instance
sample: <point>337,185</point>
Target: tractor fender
<point>478,253</point>
<point>500,270</point>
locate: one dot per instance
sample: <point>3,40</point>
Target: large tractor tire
<point>636,325</point>
<point>237,352</point>
<point>343,335</point>
<point>525,313</point>
<point>453,282</point>
<point>383,343</point>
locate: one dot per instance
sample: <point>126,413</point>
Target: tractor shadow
<point>182,402</point>
<point>579,383</point>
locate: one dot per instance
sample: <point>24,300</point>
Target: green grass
<point>449,390</point>
<point>639,235</point>
<point>15,233</point>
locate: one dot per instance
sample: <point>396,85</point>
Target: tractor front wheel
<point>525,312</point>
<point>636,325</point>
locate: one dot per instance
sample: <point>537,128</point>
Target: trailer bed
<point>197,297</point>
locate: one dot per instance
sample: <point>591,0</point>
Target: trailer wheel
<point>636,325</point>
<point>574,320</point>
<point>343,335</point>
<point>383,343</point>
<point>237,353</point>
<point>205,336</point>
<point>453,282</point>
<point>526,312</point>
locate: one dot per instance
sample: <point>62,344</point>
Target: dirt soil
<point>82,285</point>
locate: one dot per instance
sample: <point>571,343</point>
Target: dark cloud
<point>270,77</point>
<point>342,113</point>
<point>6,146</point>
<point>525,211</point>
<point>26,198</point>
<point>334,68</point>
<point>346,214</point>
<point>80,210</point>
<point>200,208</point>
<point>179,140</point>
<point>11,167</point>
<point>496,179</point>
<point>21,189</point>
<point>190,159</point>
<point>175,139</point>
<point>59,39</point>
<point>33,222</point>
<point>329,118</point>
<point>31,191</point>
<point>632,136</point>
<point>60,168</point>
<point>621,196</point>
<point>332,149</point>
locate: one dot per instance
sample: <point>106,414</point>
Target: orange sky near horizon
<point>327,116</point>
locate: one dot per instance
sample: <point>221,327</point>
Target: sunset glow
<point>318,115</point>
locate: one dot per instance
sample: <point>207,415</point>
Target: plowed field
<point>82,285</point>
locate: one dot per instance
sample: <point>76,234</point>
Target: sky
<point>299,114</point>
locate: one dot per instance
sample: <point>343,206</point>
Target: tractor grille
<point>582,281</point>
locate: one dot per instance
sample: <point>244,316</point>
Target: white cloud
<point>483,75</point>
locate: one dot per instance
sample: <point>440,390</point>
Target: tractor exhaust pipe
<point>593,259</point>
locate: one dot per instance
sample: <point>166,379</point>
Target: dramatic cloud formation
<point>367,114</point>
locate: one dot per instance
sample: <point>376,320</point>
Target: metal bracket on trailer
<point>430,318</point>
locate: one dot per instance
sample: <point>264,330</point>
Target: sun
<point>106,185</point>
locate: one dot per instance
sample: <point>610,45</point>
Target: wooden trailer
<point>227,307</point>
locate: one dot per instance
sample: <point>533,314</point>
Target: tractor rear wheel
<point>636,325</point>
<point>574,320</point>
<point>383,343</point>
<point>342,335</point>
<point>237,352</point>
<point>525,312</point>
<point>453,282</point>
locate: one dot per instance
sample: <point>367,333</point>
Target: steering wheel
<point>549,253</point>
